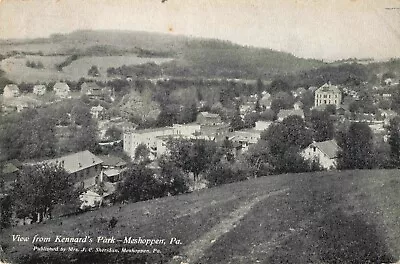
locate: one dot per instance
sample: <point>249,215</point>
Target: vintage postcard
<point>199,131</point>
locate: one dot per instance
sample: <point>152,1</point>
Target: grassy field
<point>17,71</point>
<point>328,217</point>
<point>81,66</point>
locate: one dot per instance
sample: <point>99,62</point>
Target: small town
<point>233,153</point>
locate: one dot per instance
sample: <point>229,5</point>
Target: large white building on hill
<point>328,94</point>
<point>155,138</point>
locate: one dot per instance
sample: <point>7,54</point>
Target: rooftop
<point>113,161</point>
<point>12,87</point>
<point>209,115</point>
<point>77,161</point>
<point>289,112</point>
<point>328,88</point>
<point>150,130</point>
<point>329,147</point>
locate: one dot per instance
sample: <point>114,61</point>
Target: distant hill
<point>194,56</point>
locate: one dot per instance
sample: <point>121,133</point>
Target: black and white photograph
<point>199,131</point>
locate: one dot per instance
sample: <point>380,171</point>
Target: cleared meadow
<point>17,71</point>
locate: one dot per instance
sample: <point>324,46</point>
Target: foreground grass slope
<point>328,217</point>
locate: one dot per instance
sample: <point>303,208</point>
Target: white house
<point>262,125</point>
<point>39,89</point>
<point>10,91</point>
<point>96,111</point>
<point>325,152</point>
<point>328,94</point>
<point>245,137</point>
<point>61,90</point>
<point>155,138</point>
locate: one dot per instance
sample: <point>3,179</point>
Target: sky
<point>321,29</point>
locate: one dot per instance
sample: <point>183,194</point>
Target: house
<point>298,105</point>
<point>289,112</point>
<point>312,88</point>
<point>245,137</point>
<point>11,91</point>
<point>265,101</point>
<point>299,92</point>
<point>387,115</point>
<point>94,91</point>
<point>216,132</point>
<point>39,89</point>
<point>113,168</point>
<point>84,167</point>
<point>388,81</point>
<point>246,108</point>
<point>97,111</point>
<point>206,118</point>
<point>328,94</point>
<point>262,125</point>
<point>19,103</point>
<point>155,138</point>
<point>9,173</point>
<point>325,153</point>
<point>61,90</point>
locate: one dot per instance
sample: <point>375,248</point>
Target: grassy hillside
<point>194,56</point>
<point>328,217</point>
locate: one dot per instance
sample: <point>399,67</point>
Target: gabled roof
<point>12,87</point>
<point>61,87</point>
<point>77,161</point>
<point>289,112</point>
<point>113,161</point>
<point>209,115</point>
<point>97,108</point>
<point>329,147</point>
<point>328,88</point>
<point>39,86</point>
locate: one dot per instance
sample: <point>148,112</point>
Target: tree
<point>278,85</point>
<point>84,138</point>
<point>250,120</point>
<point>330,109</point>
<point>94,71</point>
<point>285,140</point>
<point>28,135</point>
<point>139,184</point>
<point>394,141</point>
<point>297,133</point>
<point>194,156</point>
<point>267,115</point>
<point>142,153</point>
<point>357,148</point>
<point>236,120</point>
<point>172,177</point>
<point>38,189</point>
<point>5,211</point>
<point>80,114</point>
<point>322,125</point>
<point>114,133</point>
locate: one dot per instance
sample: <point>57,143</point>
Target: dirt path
<point>194,251</point>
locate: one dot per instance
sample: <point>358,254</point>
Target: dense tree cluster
<point>38,189</point>
<point>35,65</point>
